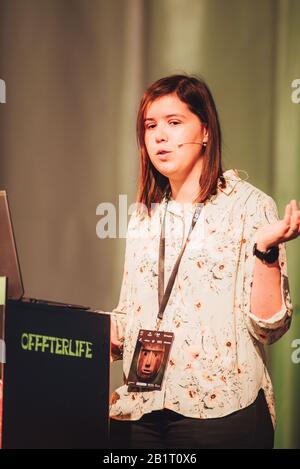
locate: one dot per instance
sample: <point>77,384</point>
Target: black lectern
<point>56,377</point>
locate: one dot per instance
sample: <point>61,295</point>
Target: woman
<point>227,295</point>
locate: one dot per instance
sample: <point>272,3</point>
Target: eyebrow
<point>167,116</point>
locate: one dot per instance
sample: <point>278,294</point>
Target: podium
<point>56,377</point>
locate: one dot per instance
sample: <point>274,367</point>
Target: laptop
<point>9,261</point>
<point>56,368</point>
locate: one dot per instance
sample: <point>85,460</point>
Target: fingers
<point>287,214</point>
<point>294,213</point>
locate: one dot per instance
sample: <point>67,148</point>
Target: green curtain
<point>74,73</point>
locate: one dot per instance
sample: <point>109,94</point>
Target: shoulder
<point>239,189</point>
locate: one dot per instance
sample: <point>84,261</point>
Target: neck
<point>186,189</point>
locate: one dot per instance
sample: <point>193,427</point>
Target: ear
<point>205,134</point>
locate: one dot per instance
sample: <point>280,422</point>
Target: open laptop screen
<point>9,263</point>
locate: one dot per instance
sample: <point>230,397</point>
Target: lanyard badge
<point>149,361</point>
<point>152,348</point>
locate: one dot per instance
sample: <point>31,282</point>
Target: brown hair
<point>152,185</point>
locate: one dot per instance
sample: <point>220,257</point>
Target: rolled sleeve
<point>266,331</point>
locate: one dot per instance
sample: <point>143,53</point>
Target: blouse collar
<point>231,177</point>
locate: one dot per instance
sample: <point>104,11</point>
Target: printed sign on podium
<point>56,377</point>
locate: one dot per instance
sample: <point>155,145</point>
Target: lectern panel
<point>56,377</point>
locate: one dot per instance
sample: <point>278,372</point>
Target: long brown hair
<point>192,90</point>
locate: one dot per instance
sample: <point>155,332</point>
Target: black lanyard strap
<point>163,297</point>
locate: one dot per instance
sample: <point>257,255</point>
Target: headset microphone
<point>191,143</point>
<point>179,145</point>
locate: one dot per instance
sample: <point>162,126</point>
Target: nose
<point>160,134</point>
<point>148,360</point>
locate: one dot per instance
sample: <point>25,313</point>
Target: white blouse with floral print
<point>217,363</point>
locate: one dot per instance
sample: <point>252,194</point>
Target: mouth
<point>162,152</point>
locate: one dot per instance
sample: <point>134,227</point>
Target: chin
<point>167,170</point>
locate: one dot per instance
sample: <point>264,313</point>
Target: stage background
<point>75,71</point>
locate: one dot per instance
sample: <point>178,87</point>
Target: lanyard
<point>163,297</point>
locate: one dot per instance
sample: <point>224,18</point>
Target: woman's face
<point>169,123</point>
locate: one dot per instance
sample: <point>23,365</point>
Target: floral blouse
<point>217,364</point>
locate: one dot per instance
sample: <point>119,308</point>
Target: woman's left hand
<point>282,230</point>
